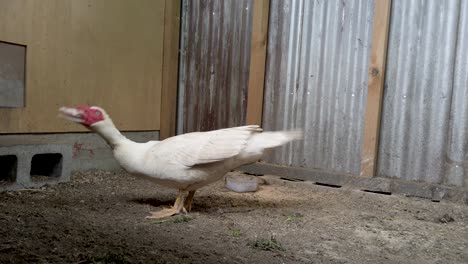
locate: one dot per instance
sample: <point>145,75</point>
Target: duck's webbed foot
<point>178,208</point>
<point>164,213</point>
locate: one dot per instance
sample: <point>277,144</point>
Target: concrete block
<point>434,192</point>
<point>377,185</point>
<point>439,193</point>
<point>28,166</point>
<point>89,150</point>
<point>413,189</point>
<point>446,193</point>
<point>317,176</point>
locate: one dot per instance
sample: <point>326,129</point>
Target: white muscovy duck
<point>186,162</point>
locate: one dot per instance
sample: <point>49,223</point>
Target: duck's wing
<point>206,147</point>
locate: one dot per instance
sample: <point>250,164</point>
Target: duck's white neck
<point>110,133</point>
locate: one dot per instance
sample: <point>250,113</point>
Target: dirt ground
<point>99,217</point>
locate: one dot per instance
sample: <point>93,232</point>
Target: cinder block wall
<point>89,151</point>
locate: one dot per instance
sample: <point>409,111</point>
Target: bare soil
<point>99,217</point>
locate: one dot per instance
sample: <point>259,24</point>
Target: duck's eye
<point>97,114</point>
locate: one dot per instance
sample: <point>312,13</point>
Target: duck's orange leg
<point>174,210</point>
<point>188,201</point>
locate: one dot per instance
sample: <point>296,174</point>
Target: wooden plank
<point>257,62</point>
<point>375,87</point>
<point>214,64</point>
<point>98,52</point>
<point>170,67</point>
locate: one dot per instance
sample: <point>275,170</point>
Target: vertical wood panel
<point>257,62</point>
<point>375,87</point>
<point>214,64</point>
<point>170,67</point>
<point>106,52</point>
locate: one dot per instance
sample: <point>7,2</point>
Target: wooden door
<point>97,52</point>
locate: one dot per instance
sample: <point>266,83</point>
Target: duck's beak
<point>72,114</point>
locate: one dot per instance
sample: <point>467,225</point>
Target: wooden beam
<point>375,87</point>
<point>257,62</point>
<point>170,68</point>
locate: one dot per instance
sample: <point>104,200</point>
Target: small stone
<point>446,219</point>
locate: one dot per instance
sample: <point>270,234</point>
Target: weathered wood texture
<point>170,69</point>
<point>214,69</point>
<point>375,87</point>
<point>257,62</point>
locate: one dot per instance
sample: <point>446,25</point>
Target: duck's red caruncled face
<point>90,115</point>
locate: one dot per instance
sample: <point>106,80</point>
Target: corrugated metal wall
<point>214,64</point>
<point>424,134</point>
<point>457,164</point>
<point>316,78</point>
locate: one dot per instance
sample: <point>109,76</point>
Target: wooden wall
<point>214,64</point>
<point>97,52</point>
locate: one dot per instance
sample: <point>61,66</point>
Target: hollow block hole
<point>45,166</point>
<point>378,192</point>
<point>8,168</point>
<point>327,185</point>
<point>291,179</point>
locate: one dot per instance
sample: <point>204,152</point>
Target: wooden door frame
<point>168,104</point>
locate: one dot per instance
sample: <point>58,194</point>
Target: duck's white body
<point>190,161</point>
<point>185,162</point>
